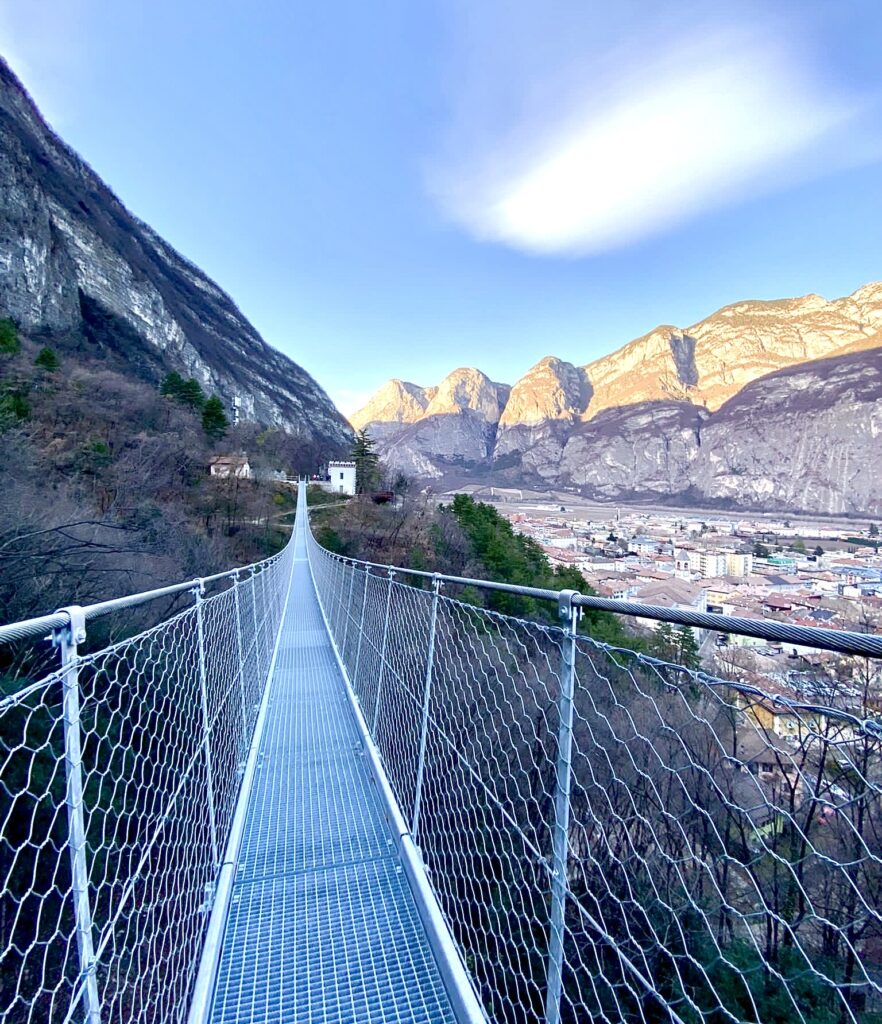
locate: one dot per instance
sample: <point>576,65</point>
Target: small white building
<point>340,478</point>
<point>230,466</point>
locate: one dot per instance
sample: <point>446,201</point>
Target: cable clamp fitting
<point>75,630</point>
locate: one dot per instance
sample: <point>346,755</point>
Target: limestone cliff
<point>540,413</point>
<point>456,427</point>
<point>711,361</point>
<point>763,404</point>
<point>808,437</point>
<point>643,449</point>
<point>397,403</point>
<point>77,267</point>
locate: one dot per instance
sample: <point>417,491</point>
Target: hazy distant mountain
<point>771,404</point>
<point>78,269</point>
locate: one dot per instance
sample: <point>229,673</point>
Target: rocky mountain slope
<point>453,425</point>
<point>714,359</point>
<point>808,437</point>
<point>78,269</point>
<point>396,404</point>
<point>763,404</point>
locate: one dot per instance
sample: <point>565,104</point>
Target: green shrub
<point>14,407</point>
<point>94,455</point>
<point>47,360</point>
<point>328,537</point>
<point>214,419</point>
<point>9,343</point>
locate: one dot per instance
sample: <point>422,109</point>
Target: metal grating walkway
<point>322,925</point>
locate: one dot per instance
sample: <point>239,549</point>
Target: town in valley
<point>801,569</point>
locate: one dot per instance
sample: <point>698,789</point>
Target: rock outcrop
<point>396,404</point>
<point>540,413</point>
<point>711,361</point>
<point>77,267</point>
<point>763,404</point>
<point>457,430</point>
<point>808,438</point>
<point>649,448</point>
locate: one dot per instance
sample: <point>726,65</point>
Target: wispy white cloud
<point>601,146</point>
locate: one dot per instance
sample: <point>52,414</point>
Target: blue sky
<point>401,187</point>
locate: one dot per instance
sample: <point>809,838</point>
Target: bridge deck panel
<point>322,926</point>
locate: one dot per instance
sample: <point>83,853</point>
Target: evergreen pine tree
<point>183,389</point>
<point>687,648</point>
<point>192,394</point>
<point>171,385</point>
<point>47,360</point>
<point>214,419</point>
<point>367,462</point>
<point>664,643</point>
<point>9,343</point>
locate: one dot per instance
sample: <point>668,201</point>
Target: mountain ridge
<point>78,268</point>
<point>670,386</point>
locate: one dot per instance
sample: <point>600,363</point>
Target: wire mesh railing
<point>613,837</point>
<point>119,773</point>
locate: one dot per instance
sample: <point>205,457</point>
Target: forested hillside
<point>464,538</point>
<point>106,485</point>
<point>121,367</point>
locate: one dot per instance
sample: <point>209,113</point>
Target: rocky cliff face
<point>396,404</point>
<point>75,265</point>
<point>540,413</point>
<point>649,448</point>
<point>457,428</point>
<point>711,361</point>
<point>806,438</point>
<point>809,437</point>
<point>763,404</point>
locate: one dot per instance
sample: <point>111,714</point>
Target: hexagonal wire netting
<point>610,836</point>
<point>118,778</point>
<point>614,837</point>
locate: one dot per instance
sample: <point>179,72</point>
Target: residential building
<point>708,563</point>
<point>340,478</point>
<point>230,466</point>
<point>738,563</point>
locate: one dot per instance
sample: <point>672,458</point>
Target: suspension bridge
<point>323,790</point>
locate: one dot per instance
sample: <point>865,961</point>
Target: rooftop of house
<point>229,460</point>
<point>764,747</point>
<point>782,580</point>
<point>651,574</point>
<point>669,592</point>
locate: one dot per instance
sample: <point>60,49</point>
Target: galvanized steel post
<point>348,611</point>
<point>67,638</point>
<point>563,780</point>
<point>206,725</point>
<point>427,693</point>
<point>338,588</point>
<point>252,578</point>
<point>383,654</point>
<point>367,576</point>
<point>264,604</point>
<point>242,699</point>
